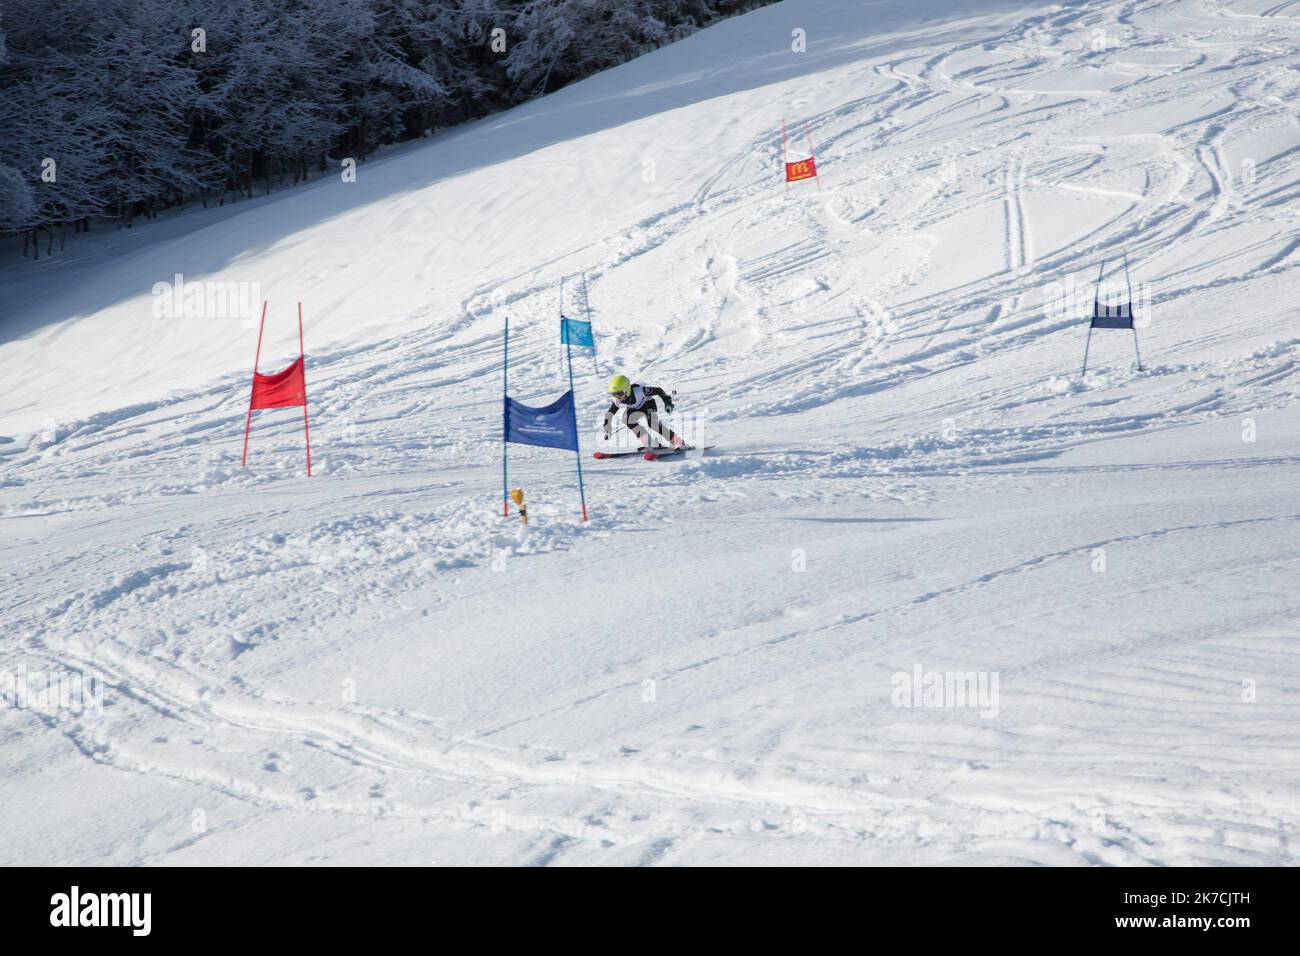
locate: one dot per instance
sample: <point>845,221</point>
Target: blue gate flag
<point>552,426</point>
<point>576,332</point>
<point>1112,316</point>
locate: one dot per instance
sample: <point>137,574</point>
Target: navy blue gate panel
<point>1112,316</point>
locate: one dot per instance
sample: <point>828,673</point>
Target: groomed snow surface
<point>373,666</point>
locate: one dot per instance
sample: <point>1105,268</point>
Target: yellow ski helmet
<point>619,383</point>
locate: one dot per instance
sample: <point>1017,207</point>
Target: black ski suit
<point>642,413</point>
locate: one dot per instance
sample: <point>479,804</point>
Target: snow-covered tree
<point>112,107</point>
<point>16,203</point>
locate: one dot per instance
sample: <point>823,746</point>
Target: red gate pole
<point>256,356</point>
<point>811,154</point>
<point>785,166</point>
<point>302,357</point>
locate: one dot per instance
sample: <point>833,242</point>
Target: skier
<point>642,417</point>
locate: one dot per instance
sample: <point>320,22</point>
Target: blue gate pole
<point>1096,295</point>
<point>505,372</point>
<point>573,405</point>
<point>1096,304</point>
<point>586,302</point>
<point>1132,317</point>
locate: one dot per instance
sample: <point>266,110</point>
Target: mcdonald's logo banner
<point>803,169</point>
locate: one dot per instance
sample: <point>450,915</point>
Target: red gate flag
<point>803,169</point>
<point>284,389</point>
<point>281,390</point>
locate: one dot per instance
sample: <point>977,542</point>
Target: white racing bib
<point>638,400</point>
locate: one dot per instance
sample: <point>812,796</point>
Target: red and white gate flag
<point>800,169</point>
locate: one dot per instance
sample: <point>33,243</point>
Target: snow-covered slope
<point>373,666</point>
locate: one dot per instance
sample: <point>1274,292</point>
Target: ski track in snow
<point>373,666</point>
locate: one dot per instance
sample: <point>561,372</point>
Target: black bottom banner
<point>1220,907</point>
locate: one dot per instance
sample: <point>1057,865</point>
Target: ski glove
<point>668,404</point>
